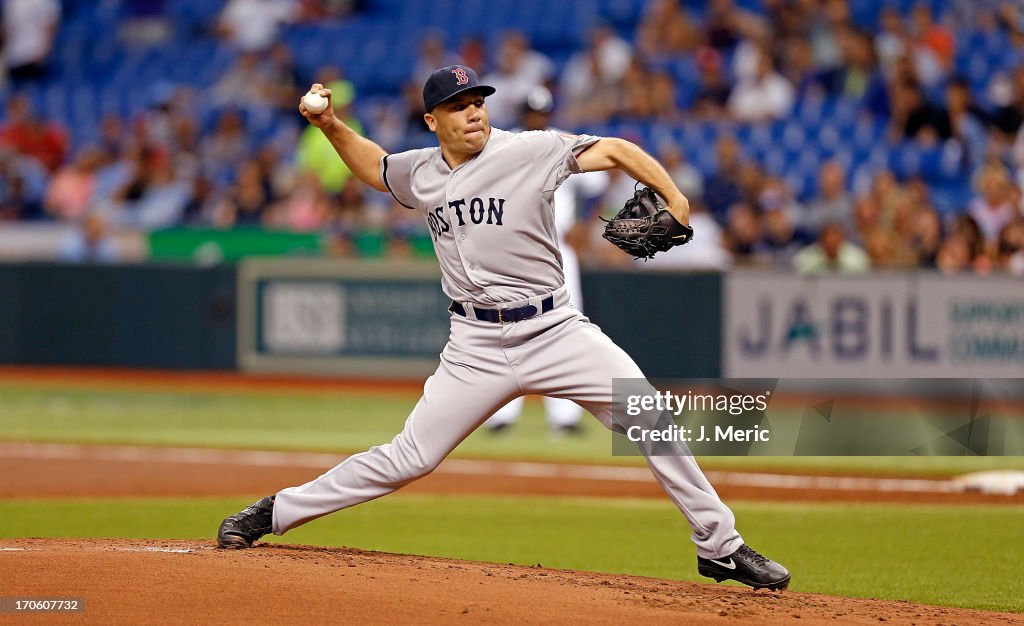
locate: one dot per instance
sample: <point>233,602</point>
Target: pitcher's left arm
<point>614,153</point>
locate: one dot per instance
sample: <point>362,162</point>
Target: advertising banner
<point>351,318</point>
<point>885,325</point>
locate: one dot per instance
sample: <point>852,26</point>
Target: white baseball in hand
<point>314,102</point>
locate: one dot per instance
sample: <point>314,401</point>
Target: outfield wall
<point>144,316</point>
<point>388,320</point>
<point>365,318</point>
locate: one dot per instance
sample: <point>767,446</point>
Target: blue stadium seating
<point>98,73</point>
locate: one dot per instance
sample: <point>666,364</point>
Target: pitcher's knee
<point>409,463</point>
<point>620,421</point>
<point>412,470</point>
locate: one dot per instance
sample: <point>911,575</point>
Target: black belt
<point>501,316</point>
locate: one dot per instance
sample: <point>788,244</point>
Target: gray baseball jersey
<point>493,228</point>
<point>493,242</point>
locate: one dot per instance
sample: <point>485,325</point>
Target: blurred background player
<point>563,415</point>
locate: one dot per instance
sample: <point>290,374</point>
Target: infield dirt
<point>61,470</point>
<point>132,582</point>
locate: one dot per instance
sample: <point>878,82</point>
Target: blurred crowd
<point>161,169</point>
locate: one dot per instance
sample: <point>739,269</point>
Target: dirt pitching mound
<point>147,581</point>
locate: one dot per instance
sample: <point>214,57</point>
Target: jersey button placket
<point>449,194</point>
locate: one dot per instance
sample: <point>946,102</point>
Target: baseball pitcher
<point>486,195</point>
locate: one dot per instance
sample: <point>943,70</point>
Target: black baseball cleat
<point>240,530</point>
<point>747,567</point>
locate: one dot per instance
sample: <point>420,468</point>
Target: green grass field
<point>968,556</point>
<point>344,423</point>
<point>955,555</point>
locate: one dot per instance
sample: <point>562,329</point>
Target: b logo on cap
<point>460,76</point>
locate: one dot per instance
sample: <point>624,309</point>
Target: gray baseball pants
<point>483,366</point>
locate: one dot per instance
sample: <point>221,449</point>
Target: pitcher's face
<point>461,124</point>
